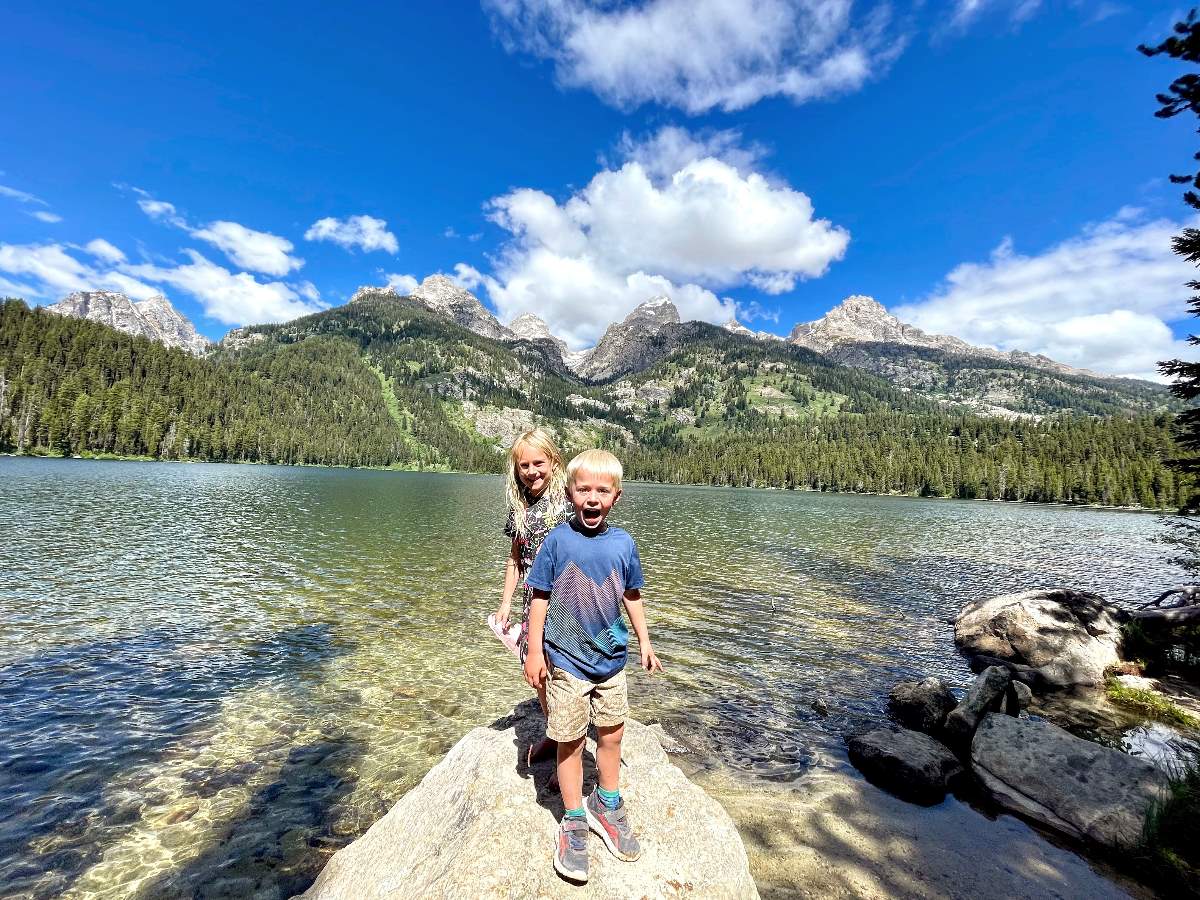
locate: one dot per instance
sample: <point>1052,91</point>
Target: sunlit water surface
<point>212,677</point>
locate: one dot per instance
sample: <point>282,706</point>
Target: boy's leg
<point>566,723</point>
<point>605,809</point>
<point>570,773</point>
<point>608,755</point>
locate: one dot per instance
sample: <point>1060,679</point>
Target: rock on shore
<point>480,824</point>
<point>1081,789</point>
<point>1065,637</point>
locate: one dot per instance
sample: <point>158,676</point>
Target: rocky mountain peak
<point>655,313</point>
<point>863,320</point>
<point>373,290</point>
<point>154,318</point>
<point>857,318</point>
<point>529,327</point>
<point>443,296</point>
<point>625,344</point>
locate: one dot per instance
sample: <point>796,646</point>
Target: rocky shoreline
<point>481,822</point>
<point>1036,645</point>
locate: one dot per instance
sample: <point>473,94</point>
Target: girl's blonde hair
<point>556,488</point>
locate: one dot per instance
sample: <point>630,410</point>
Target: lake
<point>213,676</point>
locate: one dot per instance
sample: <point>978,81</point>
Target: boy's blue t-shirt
<point>587,577</point>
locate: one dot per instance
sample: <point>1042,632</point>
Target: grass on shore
<point>1170,848</point>
<point>1150,704</point>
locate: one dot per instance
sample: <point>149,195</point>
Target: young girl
<point>537,501</point>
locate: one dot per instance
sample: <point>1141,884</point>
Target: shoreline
<point>110,457</point>
<point>831,833</point>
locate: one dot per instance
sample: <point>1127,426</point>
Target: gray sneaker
<point>613,827</point>
<point>570,853</point>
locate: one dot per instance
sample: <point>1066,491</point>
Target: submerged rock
<point>482,825</point>
<point>911,765</point>
<point>1078,788</point>
<point>921,705</point>
<point>1068,637</point>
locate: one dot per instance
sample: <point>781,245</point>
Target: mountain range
<point>432,380</point>
<point>154,318</point>
<point>858,333</point>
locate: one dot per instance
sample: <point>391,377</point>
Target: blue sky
<point>984,168</point>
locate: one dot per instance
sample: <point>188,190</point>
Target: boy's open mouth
<point>591,517</point>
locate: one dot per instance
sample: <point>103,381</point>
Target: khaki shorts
<point>572,702</point>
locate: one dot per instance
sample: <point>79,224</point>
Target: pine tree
<point>1183,95</point>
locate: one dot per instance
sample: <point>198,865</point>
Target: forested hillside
<point>384,381</point>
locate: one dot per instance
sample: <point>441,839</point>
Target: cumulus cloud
<point>365,232</point>
<point>1100,300</point>
<point>700,54</point>
<point>671,148</point>
<point>258,251</point>
<point>401,284</point>
<point>233,298</point>
<point>49,271</point>
<point>642,229</point>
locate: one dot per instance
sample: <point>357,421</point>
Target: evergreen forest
<point>384,382</point>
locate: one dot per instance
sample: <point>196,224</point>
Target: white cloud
<point>236,299</point>
<point>258,251</point>
<point>308,291</point>
<point>1100,301</point>
<point>629,235</point>
<point>161,211</point>
<point>102,249</point>
<point>364,232</point>
<point>48,217</point>
<point>50,272</point>
<point>701,54</point>
<point>21,196</point>
<point>401,284</point>
<point>967,12</point>
<point>671,148</point>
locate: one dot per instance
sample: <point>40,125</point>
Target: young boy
<point>578,643</point>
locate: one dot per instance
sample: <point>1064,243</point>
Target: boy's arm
<point>637,618</point>
<point>535,658</point>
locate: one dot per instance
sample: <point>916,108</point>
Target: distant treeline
<point>363,394</point>
<point>1066,459</point>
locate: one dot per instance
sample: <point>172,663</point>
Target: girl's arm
<point>512,574</point>
<point>637,618</point>
<point>535,659</point>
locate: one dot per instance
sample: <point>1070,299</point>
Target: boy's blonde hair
<point>596,462</point>
<point>556,487</point>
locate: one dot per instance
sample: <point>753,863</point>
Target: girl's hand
<point>502,612</point>
<point>535,670</point>
<point>649,661</point>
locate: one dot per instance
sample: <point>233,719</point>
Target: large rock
<point>482,825</point>
<point>911,765</point>
<point>988,693</point>
<point>921,705</point>
<point>1079,788</point>
<point>1068,637</point>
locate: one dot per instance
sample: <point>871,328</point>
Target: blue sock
<point>611,799</point>
<point>574,813</point>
